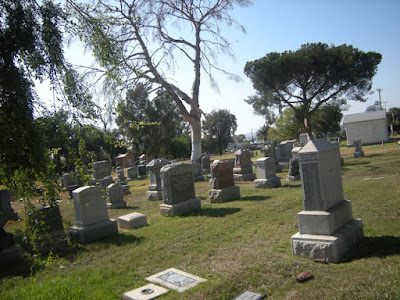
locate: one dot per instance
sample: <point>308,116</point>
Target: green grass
<point>239,245</point>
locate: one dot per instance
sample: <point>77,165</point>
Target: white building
<point>369,127</point>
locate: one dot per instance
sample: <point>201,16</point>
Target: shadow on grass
<point>254,198</point>
<point>355,163</point>
<point>375,246</point>
<point>291,186</point>
<point>213,212</point>
<point>121,239</point>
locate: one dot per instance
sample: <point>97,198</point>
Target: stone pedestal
<point>268,183</point>
<point>224,195</point>
<point>327,229</point>
<point>178,194</point>
<point>132,221</point>
<point>91,216</point>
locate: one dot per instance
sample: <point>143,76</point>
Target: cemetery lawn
<point>236,246</point>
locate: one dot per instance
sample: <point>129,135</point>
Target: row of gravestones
<point>327,229</point>
<point>326,226</point>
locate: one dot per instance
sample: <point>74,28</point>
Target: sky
<point>280,25</point>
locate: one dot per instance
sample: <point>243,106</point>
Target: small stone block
<point>244,177</point>
<point>292,178</point>
<point>176,280</point>
<point>249,295</point>
<point>180,208</point>
<point>273,182</point>
<point>224,195</point>
<point>147,292</point>
<point>132,220</point>
<point>153,195</point>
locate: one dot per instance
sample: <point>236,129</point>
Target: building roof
<point>123,155</point>
<point>363,117</point>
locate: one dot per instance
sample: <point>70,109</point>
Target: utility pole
<point>380,100</point>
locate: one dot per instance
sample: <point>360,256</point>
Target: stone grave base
<point>292,178</point>
<point>177,209</point>
<point>147,292</point>
<point>132,221</point>
<point>358,154</point>
<point>141,177</point>
<point>120,204</point>
<point>273,182</point>
<point>11,255</point>
<point>328,247</point>
<point>278,168</point>
<point>224,195</point>
<point>154,195</point>
<point>325,222</point>
<point>94,232</point>
<point>244,177</point>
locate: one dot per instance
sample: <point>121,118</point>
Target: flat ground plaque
<point>147,292</point>
<point>249,295</point>
<point>176,280</point>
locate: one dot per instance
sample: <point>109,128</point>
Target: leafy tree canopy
<point>218,128</point>
<point>310,77</point>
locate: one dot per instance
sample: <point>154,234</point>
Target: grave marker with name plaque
<point>178,193</point>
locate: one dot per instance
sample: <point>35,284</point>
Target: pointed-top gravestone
<point>327,229</point>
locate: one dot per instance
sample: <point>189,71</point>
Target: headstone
<point>125,187</point>
<point>101,169</point>
<point>141,171</point>
<point>154,167</point>
<point>115,196</point>
<point>327,229</point>
<point>249,295</point>
<point>132,221</point>
<point>266,174</point>
<point>105,182</point>
<point>243,170</point>
<point>294,170</point>
<point>222,183</point>
<point>144,159</point>
<point>10,252</point>
<point>265,151</point>
<point>121,175</point>
<point>285,150</point>
<point>5,205</point>
<point>91,217</point>
<point>197,171</point>
<point>49,228</point>
<point>176,280</point>
<point>303,138</point>
<point>205,163</point>
<point>67,180</point>
<point>358,152</point>
<point>273,152</point>
<point>178,194</point>
<point>71,188</point>
<point>132,173</point>
<point>147,292</point>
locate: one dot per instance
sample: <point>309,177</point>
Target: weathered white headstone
<point>178,194</point>
<point>176,280</point>
<point>91,217</point>
<point>115,196</point>
<point>285,150</point>
<point>327,229</point>
<point>266,174</point>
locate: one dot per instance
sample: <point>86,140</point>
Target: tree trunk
<point>195,127</point>
<point>307,126</point>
